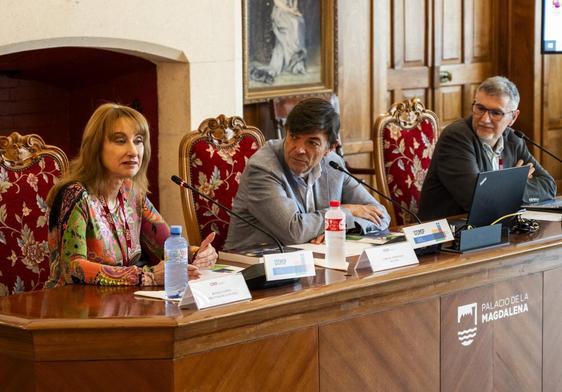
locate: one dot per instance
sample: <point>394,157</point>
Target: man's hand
<point>206,257</point>
<point>317,240</point>
<point>531,168</point>
<point>368,211</point>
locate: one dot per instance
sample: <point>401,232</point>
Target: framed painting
<point>289,48</point>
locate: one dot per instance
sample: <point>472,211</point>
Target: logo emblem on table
<point>467,318</point>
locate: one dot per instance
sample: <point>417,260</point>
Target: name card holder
<point>223,290</point>
<point>427,234</point>
<point>385,257</point>
<point>290,265</point>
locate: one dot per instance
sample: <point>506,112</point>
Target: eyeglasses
<point>495,114</point>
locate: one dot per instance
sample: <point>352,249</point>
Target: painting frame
<point>317,72</point>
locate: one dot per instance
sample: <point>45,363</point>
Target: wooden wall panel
<point>551,136</point>
<point>552,331</point>
<point>409,69</point>
<point>452,32</point>
<point>346,347</point>
<point>354,70</point>
<point>482,30</point>
<point>281,363</point>
<point>454,107</point>
<point>414,25</point>
<point>505,352</point>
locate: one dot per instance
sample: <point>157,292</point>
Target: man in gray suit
<point>483,141</point>
<point>287,185</point>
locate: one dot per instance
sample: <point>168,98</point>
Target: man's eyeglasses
<point>495,114</point>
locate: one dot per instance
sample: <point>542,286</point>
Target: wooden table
<point>394,331</point>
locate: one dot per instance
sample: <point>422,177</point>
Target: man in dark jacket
<point>481,142</point>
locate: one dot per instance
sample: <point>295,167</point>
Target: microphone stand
<point>230,212</point>
<point>526,138</point>
<point>336,166</point>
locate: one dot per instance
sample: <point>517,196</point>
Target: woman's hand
<point>206,257</point>
<point>193,272</point>
<point>158,272</point>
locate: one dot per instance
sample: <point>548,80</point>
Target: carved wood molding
<point>19,151</point>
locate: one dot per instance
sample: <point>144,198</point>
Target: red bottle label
<point>334,224</point>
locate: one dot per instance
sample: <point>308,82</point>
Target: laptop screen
<point>497,193</point>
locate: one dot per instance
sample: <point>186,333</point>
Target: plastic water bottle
<point>334,225</point>
<point>175,267</point>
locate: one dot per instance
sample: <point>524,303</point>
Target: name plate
<point>289,265</point>
<point>386,257</point>
<point>429,233</point>
<point>216,291</point>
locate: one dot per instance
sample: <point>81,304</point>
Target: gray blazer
<point>266,197</point>
<point>457,160</point>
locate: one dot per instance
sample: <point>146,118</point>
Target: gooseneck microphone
<point>184,184</point>
<point>336,166</point>
<point>526,138</point>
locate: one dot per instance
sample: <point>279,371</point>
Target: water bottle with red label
<point>334,224</point>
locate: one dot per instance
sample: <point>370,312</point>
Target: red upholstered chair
<point>212,159</point>
<point>28,170</point>
<point>404,138</point>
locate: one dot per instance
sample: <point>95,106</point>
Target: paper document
<point>217,271</point>
<point>352,248</point>
<point>542,215</point>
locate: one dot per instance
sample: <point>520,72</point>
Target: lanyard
<point>109,218</point>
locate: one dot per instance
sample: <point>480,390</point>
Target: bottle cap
<point>334,203</point>
<point>175,230</point>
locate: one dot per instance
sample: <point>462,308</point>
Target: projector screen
<point>551,26</point>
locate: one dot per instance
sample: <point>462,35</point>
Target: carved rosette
<point>223,131</point>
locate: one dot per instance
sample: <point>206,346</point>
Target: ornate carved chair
<point>28,170</point>
<point>404,138</point>
<point>212,159</point>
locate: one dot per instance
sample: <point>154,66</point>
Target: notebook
<point>497,193</point>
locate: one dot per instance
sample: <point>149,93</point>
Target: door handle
<point>445,76</point>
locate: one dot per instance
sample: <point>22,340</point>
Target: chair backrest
<point>212,159</point>
<point>404,138</point>
<point>28,170</point>
<point>282,106</point>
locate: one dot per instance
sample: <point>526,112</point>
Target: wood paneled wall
<point>389,50</point>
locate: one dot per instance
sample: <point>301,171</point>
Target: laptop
<point>496,194</point>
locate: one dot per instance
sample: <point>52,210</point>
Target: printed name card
<point>289,265</point>
<point>386,257</point>
<point>216,291</point>
<point>430,233</point>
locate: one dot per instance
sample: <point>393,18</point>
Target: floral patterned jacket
<point>86,247</point>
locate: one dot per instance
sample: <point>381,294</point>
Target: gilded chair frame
<point>18,152</point>
<point>223,132</point>
<point>407,114</point>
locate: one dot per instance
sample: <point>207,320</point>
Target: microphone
<point>336,166</point>
<point>524,137</point>
<point>184,184</point>
<point>254,275</point>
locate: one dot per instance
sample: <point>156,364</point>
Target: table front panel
<point>491,337</point>
<point>394,350</point>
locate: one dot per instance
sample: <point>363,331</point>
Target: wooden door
<point>551,133</point>
<point>440,51</point>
